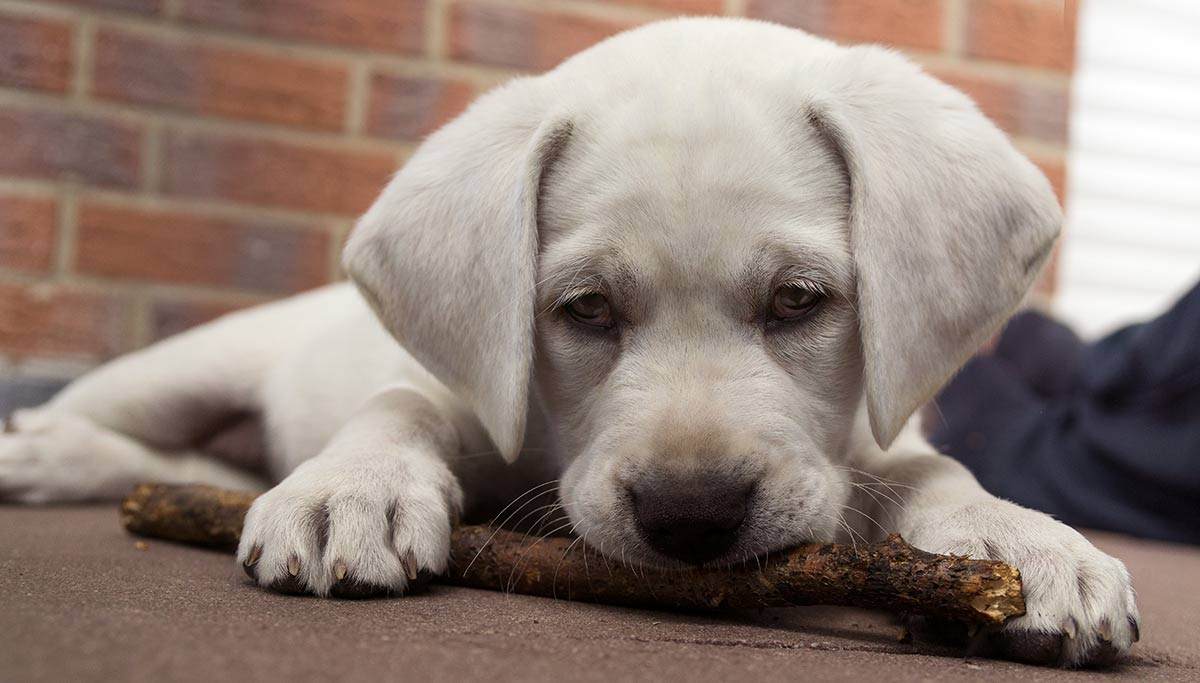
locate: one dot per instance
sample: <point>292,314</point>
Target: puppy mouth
<point>747,553</point>
<point>621,539</point>
<point>681,524</point>
<point>752,543</point>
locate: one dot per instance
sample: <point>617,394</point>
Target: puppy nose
<point>694,521</point>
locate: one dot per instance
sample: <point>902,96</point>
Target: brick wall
<point>165,161</point>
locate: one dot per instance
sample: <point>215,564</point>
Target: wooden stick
<point>890,575</point>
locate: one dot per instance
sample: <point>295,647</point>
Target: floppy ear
<point>447,255</point>
<point>949,225</point>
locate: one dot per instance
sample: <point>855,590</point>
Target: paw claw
<point>409,562</point>
<point>1136,628</point>
<point>1070,627</point>
<point>1104,630</point>
<point>339,570</point>
<point>251,561</point>
<point>293,566</point>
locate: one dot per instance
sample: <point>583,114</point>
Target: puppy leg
<point>174,393</point>
<point>1080,606</point>
<point>150,410</point>
<point>137,418</point>
<point>369,514</point>
<point>58,458</point>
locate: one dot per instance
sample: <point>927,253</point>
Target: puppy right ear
<point>447,255</point>
<point>949,223</point>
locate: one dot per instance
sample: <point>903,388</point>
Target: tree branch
<point>889,575</point>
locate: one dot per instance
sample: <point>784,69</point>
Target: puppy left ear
<point>447,255</point>
<point>950,224</point>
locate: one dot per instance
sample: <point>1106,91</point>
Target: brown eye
<point>591,309</point>
<point>793,302</point>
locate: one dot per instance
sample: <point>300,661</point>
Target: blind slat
<point>1132,240</point>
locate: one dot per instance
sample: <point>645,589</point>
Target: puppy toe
<point>386,548</point>
<point>421,534</point>
<point>280,548</point>
<point>358,556</point>
<point>290,583</point>
<point>250,561</point>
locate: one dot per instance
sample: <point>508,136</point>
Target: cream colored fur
<point>682,169</point>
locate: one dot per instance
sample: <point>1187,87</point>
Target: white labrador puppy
<point>700,275</point>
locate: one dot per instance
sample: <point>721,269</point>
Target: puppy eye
<point>591,309</point>
<point>793,302</point>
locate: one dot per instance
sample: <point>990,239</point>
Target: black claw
<point>1136,628</point>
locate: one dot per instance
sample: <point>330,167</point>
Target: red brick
<point>27,232</point>
<point>408,108</point>
<point>307,177</point>
<point>1033,32</point>
<point>55,144</point>
<point>677,6</point>
<point>137,6</point>
<point>177,247</point>
<point>812,16</point>
<point>171,317</point>
<point>1019,107</point>
<point>522,38</point>
<point>905,23</point>
<point>48,320</point>
<point>390,25</point>
<point>35,53</point>
<point>211,79</point>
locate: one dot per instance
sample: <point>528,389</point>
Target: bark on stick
<point>890,575</point>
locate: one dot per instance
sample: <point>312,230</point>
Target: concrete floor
<point>80,601</point>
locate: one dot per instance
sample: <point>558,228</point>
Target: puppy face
<point>704,242</point>
<point>697,347</point>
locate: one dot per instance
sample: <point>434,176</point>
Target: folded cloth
<point>1103,435</point>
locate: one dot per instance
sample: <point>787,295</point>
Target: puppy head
<point>704,269</point>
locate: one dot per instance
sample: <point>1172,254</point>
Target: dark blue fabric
<point>1103,435</point>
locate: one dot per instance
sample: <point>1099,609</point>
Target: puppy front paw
<point>1079,601</point>
<point>352,529</point>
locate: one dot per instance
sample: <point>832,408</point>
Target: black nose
<point>694,520</point>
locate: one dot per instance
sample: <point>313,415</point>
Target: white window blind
<point>1132,241</point>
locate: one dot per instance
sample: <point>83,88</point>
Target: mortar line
<point>67,223</point>
<point>83,54</point>
<point>358,93</point>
